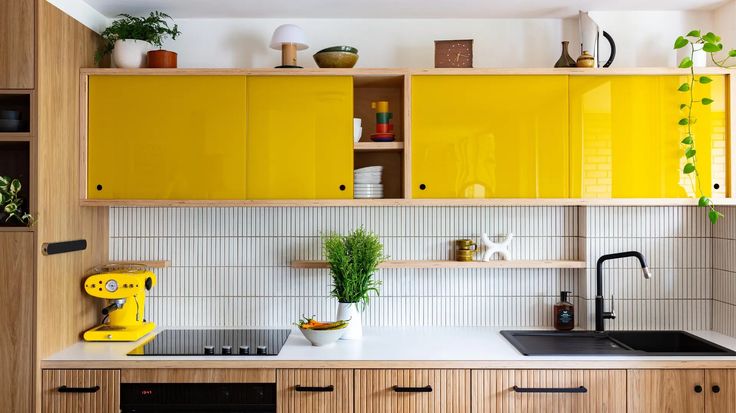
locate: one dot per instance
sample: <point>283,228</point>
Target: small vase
<point>350,311</point>
<point>130,54</point>
<point>565,59</point>
<point>162,59</point>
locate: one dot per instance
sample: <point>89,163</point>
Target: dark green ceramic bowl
<point>340,49</point>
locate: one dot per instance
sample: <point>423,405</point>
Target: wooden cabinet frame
<point>389,76</point>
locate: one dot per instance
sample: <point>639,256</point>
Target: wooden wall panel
<point>16,323</point>
<point>724,400</point>
<point>105,400</point>
<point>340,400</point>
<point>493,391</point>
<point>665,391</point>
<point>450,391</point>
<point>16,44</point>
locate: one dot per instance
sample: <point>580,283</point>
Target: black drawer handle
<point>580,389</point>
<point>65,389</point>
<point>425,389</point>
<point>325,389</point>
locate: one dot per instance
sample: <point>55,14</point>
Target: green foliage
<point>153,29</point>
<point>353,260</point>
<point>10,202</point>
<point>710,43</point>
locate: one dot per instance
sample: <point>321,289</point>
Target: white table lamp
<point>289,38</point>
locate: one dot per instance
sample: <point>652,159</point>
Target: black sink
<point>620,343</point>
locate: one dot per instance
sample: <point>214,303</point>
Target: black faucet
<point>600,315</point>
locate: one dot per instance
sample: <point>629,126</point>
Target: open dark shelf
<point>15,162</point>
<point>20,103</point>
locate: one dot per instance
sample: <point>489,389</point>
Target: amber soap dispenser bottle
<point>564,313</point>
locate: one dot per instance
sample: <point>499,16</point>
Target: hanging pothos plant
<point>711,44</point>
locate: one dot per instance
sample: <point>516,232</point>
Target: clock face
<point>453,53</point>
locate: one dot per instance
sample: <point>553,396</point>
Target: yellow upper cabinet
<point>166,137</point>
<point>300,132</point>
<point>490,136</point>
<point>625,137</point>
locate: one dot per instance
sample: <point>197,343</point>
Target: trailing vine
<point>711,44</point>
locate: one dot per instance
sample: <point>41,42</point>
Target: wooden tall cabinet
<point>16,44</point>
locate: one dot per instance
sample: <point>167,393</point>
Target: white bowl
<point>368,186</point>
<point>360,196</point>
<point>321,338</point>
<point>369,169</point>
<point>364,179</point>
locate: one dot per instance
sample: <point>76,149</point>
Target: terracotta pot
<point>163,59</point>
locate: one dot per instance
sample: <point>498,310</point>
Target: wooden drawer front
<point>493,391</point>
<point>306,391</point>
<point>666,391</point>
<point>450,391</point>
<point>105,400</point>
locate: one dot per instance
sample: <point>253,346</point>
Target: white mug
<point>357,133</point>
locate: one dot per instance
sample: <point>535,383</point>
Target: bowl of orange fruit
<point>321,333</point>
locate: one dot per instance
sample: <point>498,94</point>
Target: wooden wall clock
<point>453,53</point>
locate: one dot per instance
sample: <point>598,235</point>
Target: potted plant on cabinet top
<point>131,38</point>
<point>10,202</point>
<point>353,260</point>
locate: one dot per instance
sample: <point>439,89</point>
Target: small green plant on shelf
<point>711,44</point>
<point>10,202</point>
<point>153,29</point>
<point>353,260</point>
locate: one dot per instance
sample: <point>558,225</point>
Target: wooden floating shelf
<point>456,264</point>
<point>149,264</point>
<point>378,146</point>
<point>15,137</point>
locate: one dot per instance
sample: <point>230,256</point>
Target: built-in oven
<point>198,397</point>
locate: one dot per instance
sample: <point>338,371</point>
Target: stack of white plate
<point>367,183</point>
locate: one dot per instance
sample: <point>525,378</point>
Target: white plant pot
<point>350,311</point>
<point>130,54</point>
<point>700,58</point>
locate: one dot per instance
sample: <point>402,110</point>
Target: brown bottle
<point>564,313</point>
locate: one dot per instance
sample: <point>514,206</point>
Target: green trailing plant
<point>153,29</point>
<point>711,44</point>
<point>353,260</point>
<point>11,203</point>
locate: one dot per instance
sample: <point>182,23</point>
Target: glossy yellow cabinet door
<point>626,138</point>
<point>490,137</point>
<point>300,137</point>
<point>166,137</point>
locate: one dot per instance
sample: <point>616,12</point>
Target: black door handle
<point>580,389</point>
<point>698,388</point>
<point>325,389</point>
<point>65,389</point>
<point>425,389</point>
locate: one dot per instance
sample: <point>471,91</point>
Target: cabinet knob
<point>342,187</point>
<point>698,388</point>
<point>716,389</point>
<point>422,187</point>
<point>99,187</point>
<point>716,186</point>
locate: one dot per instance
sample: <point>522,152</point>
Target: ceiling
<point>387,8</point>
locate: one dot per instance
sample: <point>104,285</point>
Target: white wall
<point>643,39</point>
<point>725,24</point>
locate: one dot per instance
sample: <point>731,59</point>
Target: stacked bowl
<point>367,183</point>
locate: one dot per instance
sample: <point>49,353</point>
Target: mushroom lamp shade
<point>289,38</point>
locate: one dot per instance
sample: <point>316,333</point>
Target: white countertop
<point>437,346</point>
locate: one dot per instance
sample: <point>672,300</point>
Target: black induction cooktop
<point>245,342</point>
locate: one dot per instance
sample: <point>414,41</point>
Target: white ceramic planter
<point>700,58</point>
<point>130,54</point>
<point>350,311</point>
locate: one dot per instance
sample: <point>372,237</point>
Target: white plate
<point>368,196</point>
<point>361,180</point>
<point>369,169</point>
<point>369,186</point>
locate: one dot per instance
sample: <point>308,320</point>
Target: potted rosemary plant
<point>11,202</point>
<point>130,38</point>
<point>353,260</point>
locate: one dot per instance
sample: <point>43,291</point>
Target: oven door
<point>198,397</point>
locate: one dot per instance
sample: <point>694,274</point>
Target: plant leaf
<point>688,140</point>
<point>703,201</point>
<point>686,63</point>
<point>14,186</point>
<point>683,122</point>
<point>706,101</point>
<point>694,33</point>
<point>684,87</point>
<point>683,106</point>
<point>690,153</point>
<point>689,168</point>
<point>711,48</point>
<point>711,37</point>
<point>681,42</point>
<point>713,216</point>
<point>705,80</point>
<point>732,53</point>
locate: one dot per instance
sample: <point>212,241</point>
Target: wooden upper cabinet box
<point>489,136</point>
<point>552,391</point>
<point>166,137</point>
<point>626,138</point>
<point>17,48</point>
<point>412,391</point>
<point>314,391</point>
<point>76,391</point>
<point>300,132</point>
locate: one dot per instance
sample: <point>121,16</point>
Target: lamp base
<point>288,67</point>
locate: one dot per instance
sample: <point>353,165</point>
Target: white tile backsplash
<point>724,273</point>
<point>231,266</point>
